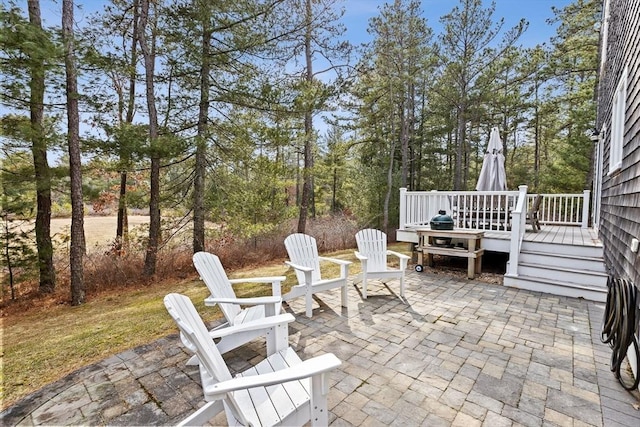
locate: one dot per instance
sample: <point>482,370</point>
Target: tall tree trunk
<point>406,132</point>
<point>460,151</point>
<point>75,166</point>
<point>122,227</point>
<point>387,196</point>
<point>201,145</point>
<point>154,198</point>
<point>404,140</point>
<point>40,163</point>
<point>307,188</point>
<point>334,189</point>
<point>537,135</point>
<point>392,153</point>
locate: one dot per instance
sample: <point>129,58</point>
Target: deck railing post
<point>585,208</point>
<point>517,230</point>
<point>403,208</point>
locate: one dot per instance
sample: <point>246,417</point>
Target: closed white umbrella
<point>493,176</point>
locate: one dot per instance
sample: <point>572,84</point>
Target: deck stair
<point>561,269</point>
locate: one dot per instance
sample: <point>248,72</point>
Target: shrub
<point>106,269</point>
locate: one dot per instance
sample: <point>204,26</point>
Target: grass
<point>42,346</point>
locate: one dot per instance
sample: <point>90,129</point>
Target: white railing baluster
<point>572,200</point>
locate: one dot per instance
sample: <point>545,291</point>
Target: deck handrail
<point>483,207</point>
<point>519,218</point>
<point>563,209</point>
<point>489,207</point>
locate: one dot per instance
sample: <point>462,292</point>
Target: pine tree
<point>467,50</point>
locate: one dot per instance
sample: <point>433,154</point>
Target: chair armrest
<point>308,368</point>
<point>344,266</point>
<point>275,281</point>
<point>258,280</point>
<point>264,323</point>
<point>398,254</point>
<point>245,301</point>
<point>335,260</point>
<point>360,256</point>
<point>298,266</point>
<point>402,258</point>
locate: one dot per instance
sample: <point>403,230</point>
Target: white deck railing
<point>563,209</point>
<point>468,209</point>
<point>489,210</point>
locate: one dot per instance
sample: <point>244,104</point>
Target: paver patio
<point>457,353</point>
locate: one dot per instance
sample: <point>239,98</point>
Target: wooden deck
<point>498,241</point>
<point>563,258</point>
<point>564,235</point>
<point>552,234</point>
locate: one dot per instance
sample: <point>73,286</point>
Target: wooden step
<point>569,276</point>
<point>591,293</point>
<point>591,264</point>
<point>581,251</point>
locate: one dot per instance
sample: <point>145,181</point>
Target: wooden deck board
<point>554,234</point>
<point>565,235</point>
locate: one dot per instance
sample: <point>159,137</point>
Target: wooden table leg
<point>479,264</point>
<point>471,272</point>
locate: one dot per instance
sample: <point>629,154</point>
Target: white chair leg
<point>344,297</point>
<point>277,339</point>
<point>344,273</point>
<point>308,301</point>
<point>364,285</point>
<point>318,403</point>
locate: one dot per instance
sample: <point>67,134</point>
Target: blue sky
<point>358,13</point>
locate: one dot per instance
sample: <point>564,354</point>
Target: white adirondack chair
<point>220,286</point>
<point>303,255</point>
<point>280,390</point>
<point>373,254</point>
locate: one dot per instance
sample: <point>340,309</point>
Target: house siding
<point>620,201</point>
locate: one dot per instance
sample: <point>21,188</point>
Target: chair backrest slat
<point>193,329</point>
<point>213,275</point>
<point>372,243</point>
<point>302,250</point>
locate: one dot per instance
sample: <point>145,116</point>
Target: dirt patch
<point>494,266</point>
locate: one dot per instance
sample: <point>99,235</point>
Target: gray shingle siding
<point>620,201</point>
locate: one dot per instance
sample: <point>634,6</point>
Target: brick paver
<point>456,353</point>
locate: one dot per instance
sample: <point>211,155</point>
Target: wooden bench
<point>473,250</point>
